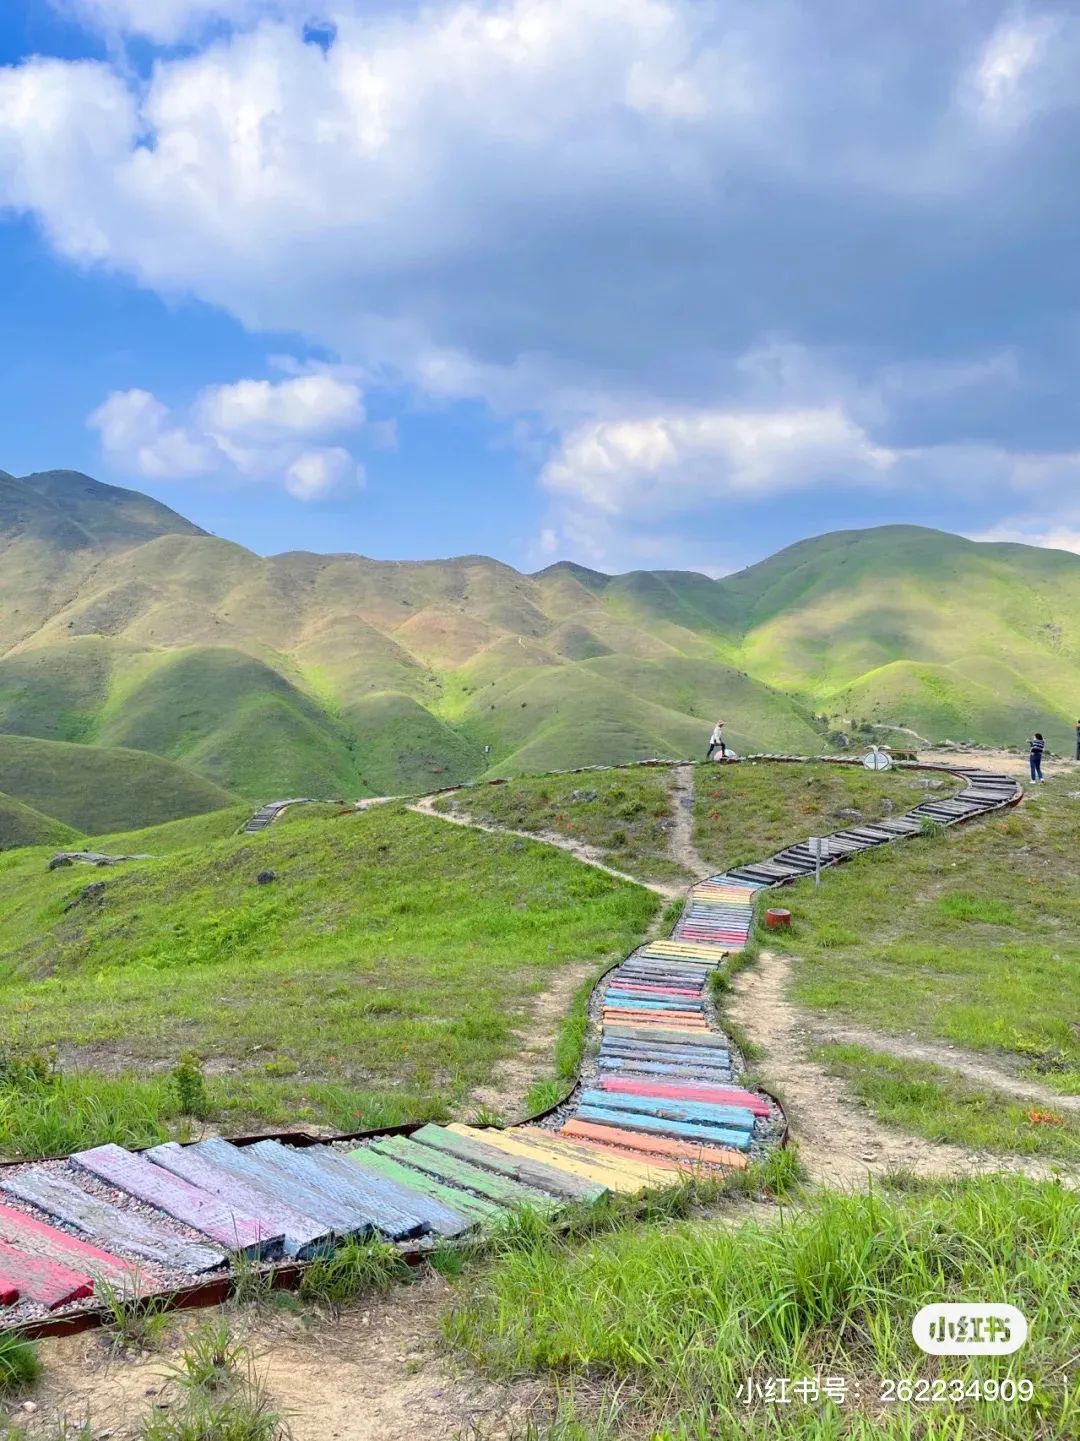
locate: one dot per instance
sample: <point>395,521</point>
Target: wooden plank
<point>639,1171</point>
<point>352,1190</point>
<point>620,1066</point>
<point>39,1239</point>
<point>514,1143</point>
<point>721,1095</point>
<point>704,1039</point>
<point>684,1130</point>
<point>417,1209</point>
<point>226,1225</point>
<point>682,1152</point>
<point>470,1210</point>
<point>34,1278</point>
<point>642,988</point>
<point>242,1162</point>
<point>705,1113</point>
<point>460,1173</point>
<point>305,1237</point>
<point>680,1055</point>
<point>58,1195</point>
<point>478,1150</point>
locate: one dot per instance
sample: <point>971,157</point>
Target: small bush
<point>354,1269</point>
<point>188,1086</point>
<point>19,1365</point>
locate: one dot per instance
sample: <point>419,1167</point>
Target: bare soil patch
<point>683,851</point>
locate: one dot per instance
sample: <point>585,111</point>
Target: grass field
<point>748,811</point>
<point>971,938</point>
<point>655,1330</point>
<point>936,1103</point>
<point>21,825</point>
<point>94,790</point>
<point>377,979</point>
<point>625,814</point>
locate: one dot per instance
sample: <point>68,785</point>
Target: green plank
<point>460,1173</point>
<point>471,1207</point>
<point>518,1168</point>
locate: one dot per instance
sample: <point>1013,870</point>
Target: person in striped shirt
<point>1035,757</point>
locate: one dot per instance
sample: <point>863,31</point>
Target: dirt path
<point>839,1140</point>
<point>999,760</point>
<point>373,1374</point>
<point>588,855</point>
<point>682,849</point>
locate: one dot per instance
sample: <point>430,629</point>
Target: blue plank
<point>415,1208</point>
<point>621,1066</point>
<point>305,1237</point>
<point>705,1039</point>
<point>623,1002</point>
<point>58,1194</point>
<point>653,1126</point>
<point>702,1112</point>
<point>354,1190</point>
<point>614,1047</point>
<point>241,1161</point>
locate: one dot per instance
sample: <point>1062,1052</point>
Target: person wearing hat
<point>716,742</point>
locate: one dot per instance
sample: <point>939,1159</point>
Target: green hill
<point>96,790</point>
<point>21,825</point>
<point>123,625</point>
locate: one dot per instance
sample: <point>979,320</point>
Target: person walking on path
<point>716,742</point>
<point>1035,757</point>
<point>1078,740</point>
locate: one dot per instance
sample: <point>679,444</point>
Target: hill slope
<point>338,675</point>
<point>21,825</point>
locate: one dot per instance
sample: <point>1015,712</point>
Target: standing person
<point>1078,740</point>
<point>1035,757</point>
<point>716,742</point>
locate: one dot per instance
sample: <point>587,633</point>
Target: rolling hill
<point>123,626</point>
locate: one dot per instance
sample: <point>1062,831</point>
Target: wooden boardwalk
<point>662,1100</point>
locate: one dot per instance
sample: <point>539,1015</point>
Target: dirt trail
<point>373,1374</point>
<point>588,855</point>
<point>998,760</point>
<point>682,849</point>
<point>839,1141</point>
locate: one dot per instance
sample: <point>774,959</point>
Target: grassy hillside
<point>122,624</point>
<point>378,978</point>
<point>21,825</point>
<point>96,790</point>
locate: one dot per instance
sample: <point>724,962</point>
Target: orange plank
<point>686,1151</point>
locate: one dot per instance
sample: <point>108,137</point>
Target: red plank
<point>39,1239</point>
<point>715,1095</point>
<point>8,1293</point>
<point>35,1279</point>
<point>689,1152</point>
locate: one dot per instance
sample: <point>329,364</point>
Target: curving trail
<point>663,1091</point>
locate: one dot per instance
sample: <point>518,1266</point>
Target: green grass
<point>624,814</point>
<point>932,1102</point>
<point>355,1269</point>
<point>748,811</point>
<point>377,980</point>
<point>21,825</point>
<point>95,791</point>
<point>659,1326</point>
<point>19,1365</point>
<point>973,938</point>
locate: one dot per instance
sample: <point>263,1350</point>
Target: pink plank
<point>9,1294</point>
<point>35,1279</point>
<point>192,1205</point>
<point>717,1095</point>
<point>39,1239</point>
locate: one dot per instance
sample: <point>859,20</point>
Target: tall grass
<point>673,1321</point>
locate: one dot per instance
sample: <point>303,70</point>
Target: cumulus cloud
<point>251,429</point>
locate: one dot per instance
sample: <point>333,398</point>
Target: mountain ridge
<point>339,674</point>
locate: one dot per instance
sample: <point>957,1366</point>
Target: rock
<point>928,784</point>
<point>265,878</point>
<point>584,795</point>
<point>91,893</point>
<point>849,813</point>
<point>29,1407</point>
<point>886,806</point>
<point>58,861</point>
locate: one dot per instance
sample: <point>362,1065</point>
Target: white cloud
<point>260,409</point>
<point>1007,68</point>
<point>1049,532</point>
<point>665,463</point>
<point>317,474</point>
<point>166,21</point>
<point>251,430</point>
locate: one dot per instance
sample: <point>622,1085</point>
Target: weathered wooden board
<point>242,1162</point>
<point>639,1170</point>
<point>567,1158</point>
<point>355,1192</point>
<point>682,1153</point>
<point>470,1210</point>
<point>477,1149</point>
<point>305,1237</point>
<point>59,1195</point>
<point>705,1113</point>
<point>415,1207</point>
<point>34,1278</point>
<point>225,1224</point>
<point>707,1040</point>
<point>449,1168</point>
<point>686,1130</point>
<point>688,1091</point>
<point>39,1239</point>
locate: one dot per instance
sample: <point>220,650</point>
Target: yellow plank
<point>511,1144</point>
<point>642,1170</point>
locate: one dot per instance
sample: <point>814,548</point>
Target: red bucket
<point>777,920</point>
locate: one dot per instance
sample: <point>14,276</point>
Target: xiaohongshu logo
<point>953,1328</point>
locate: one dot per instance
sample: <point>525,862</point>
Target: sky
<point>636,283</point>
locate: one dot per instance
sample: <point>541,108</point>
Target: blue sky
<point>639,283</point>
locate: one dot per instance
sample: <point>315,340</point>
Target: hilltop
<point>123,625</point>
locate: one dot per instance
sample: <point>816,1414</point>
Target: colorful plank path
<point>664,1101</point>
